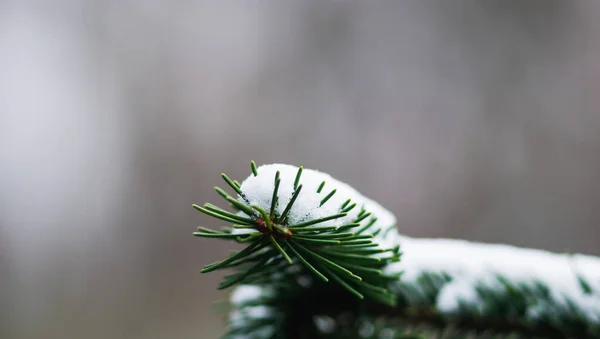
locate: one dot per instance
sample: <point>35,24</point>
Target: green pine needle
<point>216,215</point>
<point>371,222</point>
<point>349,208</point>
<point>215,235</point>
<point>274,198</point>
<point>326,261</point>
<point>345,204</point>
<point>285,255</point>
<point>343,283</point>
<point>320,220</point>
<point>290,203</point>
<point>362,217</point>
<point>239,255</point>
<point>230,182</point>
<point>332,235</point>
<point>312,229</point>
<point>297,179</point>
<point>306,263</point>
<point>348,226</point>
<point>320,188</point>
<point>240,206</point>
<point>222,212</point>
<point>350,256</point>
<point>327,197</point>
<point>317,240</point>
<point>221,192</point>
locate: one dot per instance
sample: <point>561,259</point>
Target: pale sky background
<point>467,119</point>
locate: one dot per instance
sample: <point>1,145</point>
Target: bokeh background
<point>468,119</point>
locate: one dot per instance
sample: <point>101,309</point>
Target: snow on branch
<point>305,229</point>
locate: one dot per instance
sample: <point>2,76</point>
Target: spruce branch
<point>326,263</point>
<point>322,243</point>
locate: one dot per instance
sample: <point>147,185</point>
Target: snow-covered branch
<point>312,236</point>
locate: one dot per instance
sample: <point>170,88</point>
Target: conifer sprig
<point>341,249</point>
<point>340,253</point>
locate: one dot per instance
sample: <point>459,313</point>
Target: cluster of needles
<point>346,254</point>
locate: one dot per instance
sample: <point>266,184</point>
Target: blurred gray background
<point>468,119</point>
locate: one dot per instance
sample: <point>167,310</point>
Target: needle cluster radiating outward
<point>290,218</point>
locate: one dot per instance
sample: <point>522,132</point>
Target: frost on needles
<point>323,261</point>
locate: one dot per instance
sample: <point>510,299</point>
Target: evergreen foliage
<point>320,280</point>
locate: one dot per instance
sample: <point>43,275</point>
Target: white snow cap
<point>259,191</point>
